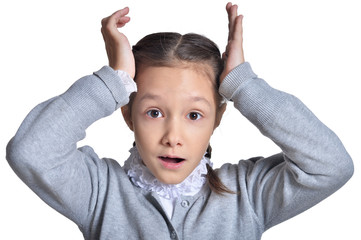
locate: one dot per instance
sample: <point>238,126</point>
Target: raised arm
<point>313,163</point>
<point>44,151</point>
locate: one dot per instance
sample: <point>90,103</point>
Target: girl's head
<point>177,106</point>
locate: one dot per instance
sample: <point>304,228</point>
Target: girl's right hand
<point>118,49</point>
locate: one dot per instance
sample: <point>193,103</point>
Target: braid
<point>213,180</point>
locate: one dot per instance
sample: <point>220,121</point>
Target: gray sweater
<point>98,196</point>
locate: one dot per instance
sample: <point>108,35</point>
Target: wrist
<point>120,67</point>
<point>127,81</point>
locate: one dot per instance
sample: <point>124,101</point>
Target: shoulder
<point>108,173</point>
<point>102,164</point>
<point>242,165</point>
<point>245,171</point>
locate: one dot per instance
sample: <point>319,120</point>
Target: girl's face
<point>173,116</point>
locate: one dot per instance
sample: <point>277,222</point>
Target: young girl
<point>167,188</point>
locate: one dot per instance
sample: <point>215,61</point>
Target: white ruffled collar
<point>140,175</point>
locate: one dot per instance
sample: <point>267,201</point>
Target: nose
<point>172,134</point>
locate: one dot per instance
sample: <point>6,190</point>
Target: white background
<point>308,48</point>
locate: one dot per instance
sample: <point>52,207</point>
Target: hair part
<point>169,49</point>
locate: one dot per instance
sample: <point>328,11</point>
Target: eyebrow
<point>157,97</point>
<point>150,96</point>
<point>200,99</point>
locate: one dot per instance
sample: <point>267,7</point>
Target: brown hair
<point>168,49</point>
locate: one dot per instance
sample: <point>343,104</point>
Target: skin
<point>174,112</point>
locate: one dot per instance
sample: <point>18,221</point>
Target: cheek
<point>146,133</point>
<point>198,137</point>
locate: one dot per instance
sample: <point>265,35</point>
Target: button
<point>185,203</point>
<point>173,235</point>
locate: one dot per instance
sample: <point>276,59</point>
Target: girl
<point>167,188</point>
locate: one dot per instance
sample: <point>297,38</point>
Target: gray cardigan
<point>97,195</point>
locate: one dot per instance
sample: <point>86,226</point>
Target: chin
<point>168,180</point>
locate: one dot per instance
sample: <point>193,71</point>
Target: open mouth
<point>171,162</point>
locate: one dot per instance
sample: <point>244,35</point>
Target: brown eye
<point>194,116</point>
<point>154,113</point>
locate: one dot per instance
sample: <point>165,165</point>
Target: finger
<point>232,14</point>
<point>228,6</point>
<point>115,17</point>
<point>231,11</point>
<point>237,33</point>
<point>120,13</point>
<point>224,56</point>
<point>122,21</point>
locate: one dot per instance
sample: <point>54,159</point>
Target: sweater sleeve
<point>313,163</point>
<point>44,153</point>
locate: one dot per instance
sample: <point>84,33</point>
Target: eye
<point>194,116</point>
<point>154,113</point>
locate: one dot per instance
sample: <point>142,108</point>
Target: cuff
<point>117,89</point>
<point>127,81</point>
<point>234,80</point>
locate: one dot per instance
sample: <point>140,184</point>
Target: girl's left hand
<point>233,56</point>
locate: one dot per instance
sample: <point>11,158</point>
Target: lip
<point>171,162</point>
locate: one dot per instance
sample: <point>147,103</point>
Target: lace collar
<point>140,175</point>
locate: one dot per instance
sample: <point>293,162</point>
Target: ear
<point>127,116</point>
<point>219,115</point>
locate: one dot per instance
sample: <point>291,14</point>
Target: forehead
<point>175,81</point>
